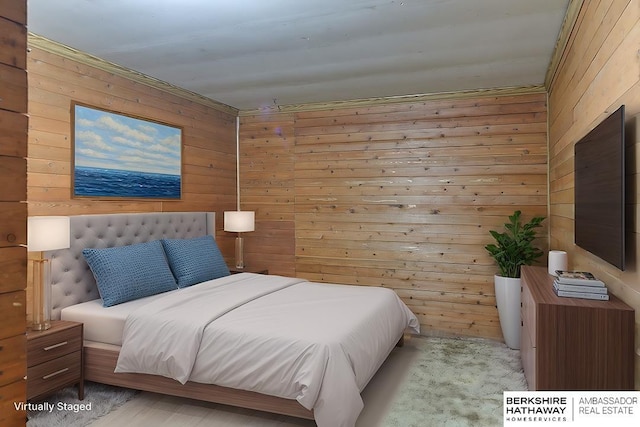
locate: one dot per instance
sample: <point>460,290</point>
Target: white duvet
<point>317,343</point>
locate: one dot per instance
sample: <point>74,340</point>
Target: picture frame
<point>118,156</point>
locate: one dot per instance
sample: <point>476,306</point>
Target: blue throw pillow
<point>195,260</point>
<point>125,273</point>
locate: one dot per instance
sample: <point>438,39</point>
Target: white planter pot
<point>508,300</point>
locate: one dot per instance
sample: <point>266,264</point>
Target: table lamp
<point>44,233</point>
<point>239,222</point>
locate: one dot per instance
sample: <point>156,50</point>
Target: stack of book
<point>579,284</point>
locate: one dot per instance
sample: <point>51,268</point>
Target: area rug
<point>63,409</point>
<point>453,382</point>
<point>456,383</point>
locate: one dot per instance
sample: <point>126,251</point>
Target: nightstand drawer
<point>54,375</point>
<point>49,346</point>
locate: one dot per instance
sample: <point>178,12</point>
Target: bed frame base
<point>100,363</point>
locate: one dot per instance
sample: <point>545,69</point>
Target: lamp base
<point>43,326</point>
<point>239,253</point>
<point>41,308</point>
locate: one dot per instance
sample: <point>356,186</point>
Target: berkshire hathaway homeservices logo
<point>578,408</point>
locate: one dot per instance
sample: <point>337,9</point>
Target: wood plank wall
<point>598,72</point>
<point>55,81</point>
<point>13,212</point>
<point>267,160</point>
<point>400,195</point>
<point>209,142</point>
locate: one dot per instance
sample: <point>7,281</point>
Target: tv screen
<point>599,190</point>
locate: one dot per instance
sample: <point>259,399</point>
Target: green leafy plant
<point>514,248</point>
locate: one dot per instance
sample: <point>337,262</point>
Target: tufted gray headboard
<point>71,279</point>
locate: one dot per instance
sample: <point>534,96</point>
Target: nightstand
<point>54,359</point>
<point>248,270</point>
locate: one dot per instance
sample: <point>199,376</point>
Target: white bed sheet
<point>105,324</point>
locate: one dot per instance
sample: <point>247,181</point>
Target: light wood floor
<point>150,409</point>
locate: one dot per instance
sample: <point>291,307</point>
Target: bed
<point>265,342</point>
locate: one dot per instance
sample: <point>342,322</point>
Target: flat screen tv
<point>599,190</point>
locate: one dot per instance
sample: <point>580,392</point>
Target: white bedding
<point>317,343</point>
<point>104,324</point>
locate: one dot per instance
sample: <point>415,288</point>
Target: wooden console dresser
<point>574,344</point>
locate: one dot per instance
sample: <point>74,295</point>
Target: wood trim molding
<point>51,46</point>
<point>570,19</point>
<point>366,102</point>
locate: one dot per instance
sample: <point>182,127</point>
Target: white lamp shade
<point>239,221</point>
<point>48,233</point>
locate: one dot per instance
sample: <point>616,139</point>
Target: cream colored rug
<point>63,409</point>
<point>450,383</point>
<point>457,383</point>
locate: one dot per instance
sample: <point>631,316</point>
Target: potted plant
<point>513,249</point>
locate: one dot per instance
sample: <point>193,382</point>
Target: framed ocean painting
<point>120,156</point>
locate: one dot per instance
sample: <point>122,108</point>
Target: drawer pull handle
<point>51,347</point>
<point>53,374</point>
